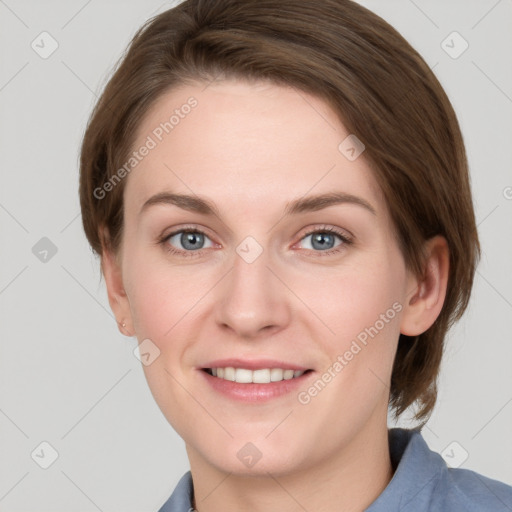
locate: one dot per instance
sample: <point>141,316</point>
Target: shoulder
<point>463,489</point>
<point>423,482</point>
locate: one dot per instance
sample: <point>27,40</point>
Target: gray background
<point>70,379</point>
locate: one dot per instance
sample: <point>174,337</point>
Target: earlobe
<point>423,306</point>
<point>117,297</point>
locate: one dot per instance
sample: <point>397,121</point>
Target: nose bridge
<point>252,298</point>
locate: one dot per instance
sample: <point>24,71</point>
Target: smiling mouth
<point>260,376</point>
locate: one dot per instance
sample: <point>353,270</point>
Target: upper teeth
<point>262,376</point>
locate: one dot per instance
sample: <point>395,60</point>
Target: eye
<point>325,240</point>
<point>187,240</point>
<point>191,241</point>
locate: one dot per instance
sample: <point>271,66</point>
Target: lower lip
<point>252,392</point>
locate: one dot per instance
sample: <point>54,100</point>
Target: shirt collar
<point>418,470</point>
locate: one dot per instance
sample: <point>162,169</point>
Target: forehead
<point>246,142</point>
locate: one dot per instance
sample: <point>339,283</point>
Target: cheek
<point>164,302</point>
<point>162,297</point>
<point>361,308</point>
<point>354,299</point>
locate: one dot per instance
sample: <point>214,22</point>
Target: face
<point>255,271</point>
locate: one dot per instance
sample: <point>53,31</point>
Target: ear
<point>111,268</point>
<point>426,300</point>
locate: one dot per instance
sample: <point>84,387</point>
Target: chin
<point>256,459</point>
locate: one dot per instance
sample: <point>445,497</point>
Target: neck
<point>348,481</point>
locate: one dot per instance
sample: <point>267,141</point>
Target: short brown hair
<point>382,91</point>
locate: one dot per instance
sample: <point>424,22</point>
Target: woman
<point>279,195</point>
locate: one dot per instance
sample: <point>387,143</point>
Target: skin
<point>250,149</point>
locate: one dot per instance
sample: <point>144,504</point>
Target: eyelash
<point>346,241</point>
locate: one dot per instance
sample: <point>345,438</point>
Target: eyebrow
<point>305,204</point>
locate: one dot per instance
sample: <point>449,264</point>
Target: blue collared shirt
<point>422,482</point>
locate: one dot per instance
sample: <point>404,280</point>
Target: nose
<point>252,300</point>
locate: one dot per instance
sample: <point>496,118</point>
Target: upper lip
<point>254,364</point>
